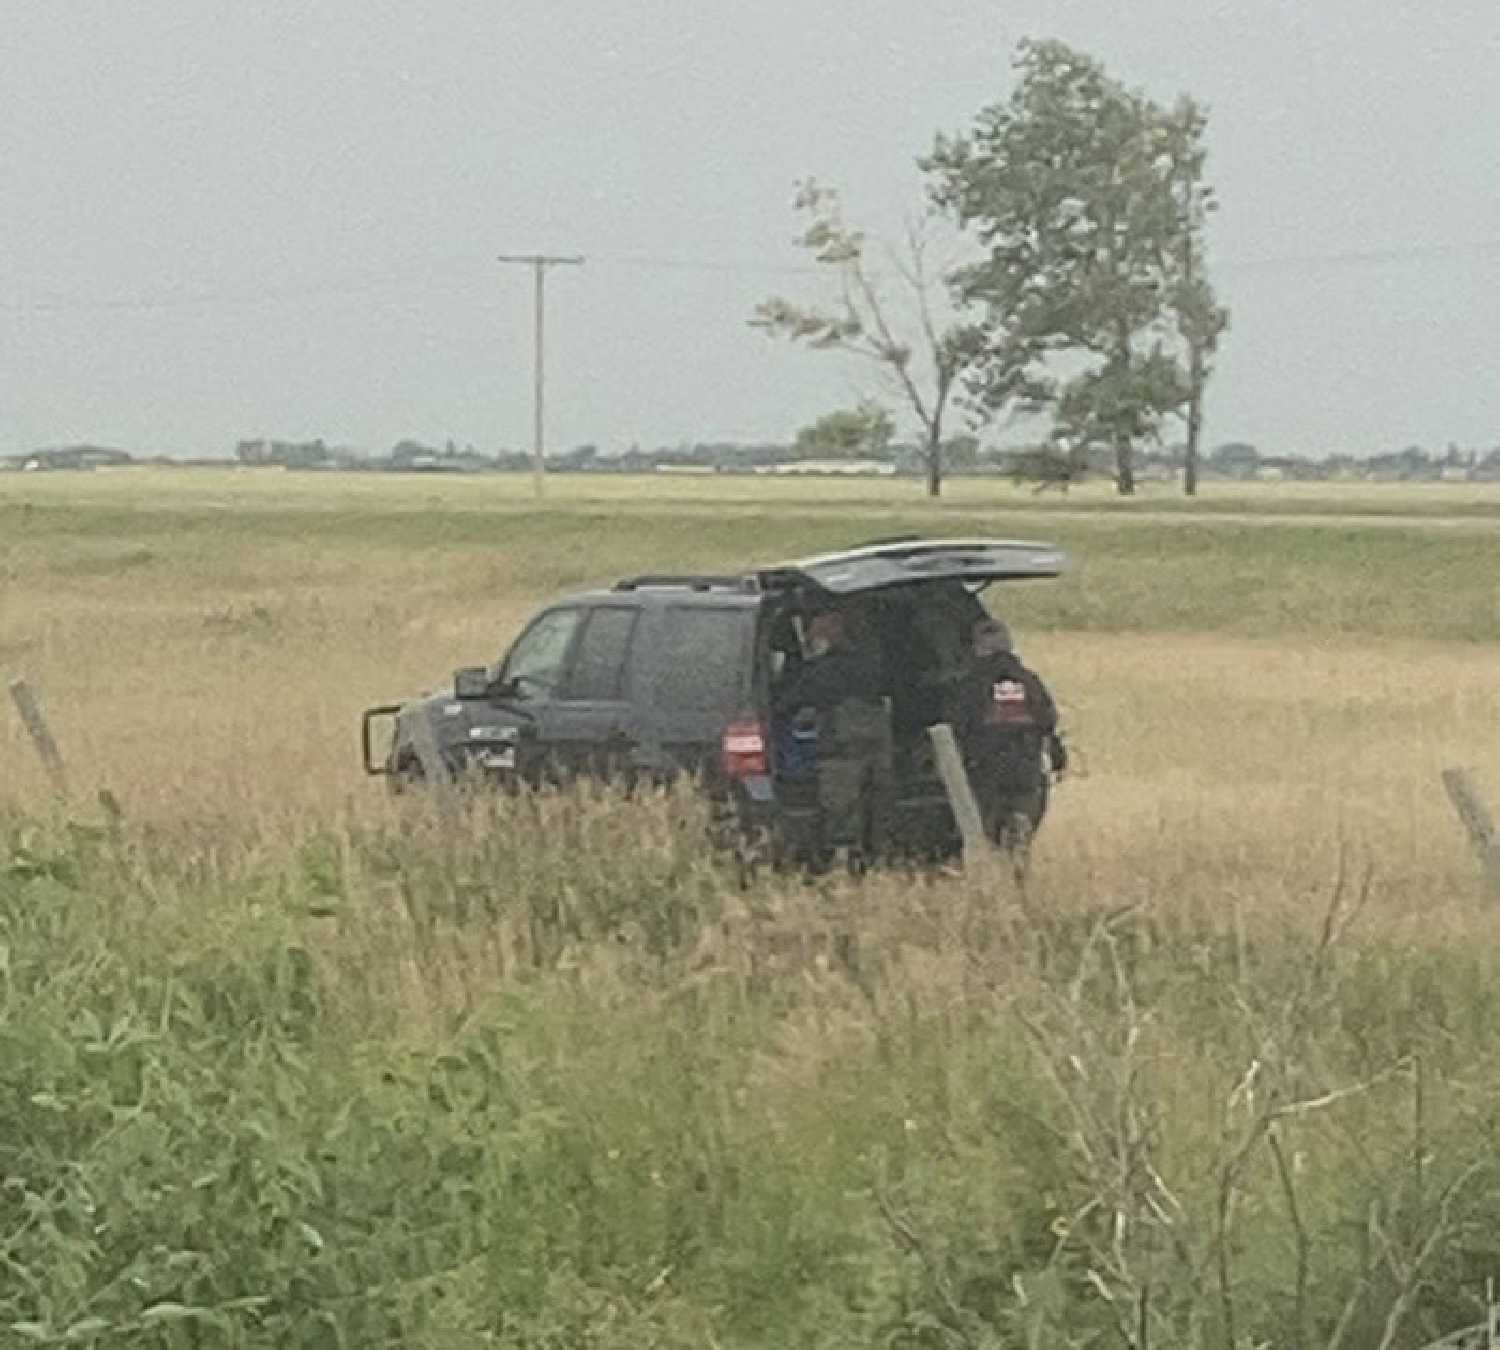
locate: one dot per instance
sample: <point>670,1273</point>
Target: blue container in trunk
<point>795,744</point>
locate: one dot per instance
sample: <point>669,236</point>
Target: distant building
<point>841,468</point>
<point>71,457</point>
<point>287,454</point>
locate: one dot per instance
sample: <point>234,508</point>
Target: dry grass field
<point>206,640</point>
<point>334,1072</point>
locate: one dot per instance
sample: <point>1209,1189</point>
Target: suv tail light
<point>744,749</point>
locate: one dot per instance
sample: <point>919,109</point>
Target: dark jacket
<point>846,672</point>
<point>1000,700</point>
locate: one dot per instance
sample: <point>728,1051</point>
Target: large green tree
<point>1088,201</point>
<point>890,315</point>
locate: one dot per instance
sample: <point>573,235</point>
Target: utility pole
<point>539,263</point>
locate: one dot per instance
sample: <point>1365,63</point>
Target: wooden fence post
<point>1477,820</point>
<point>30,708</point>
<point>977,845</point>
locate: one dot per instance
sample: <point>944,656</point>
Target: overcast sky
<point>280,217</point>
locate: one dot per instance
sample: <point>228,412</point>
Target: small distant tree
<point>961,451</point>
<point>1053,465</point>
<point>863,432</point>
<point>922,357</point>
<point>1235,459</point>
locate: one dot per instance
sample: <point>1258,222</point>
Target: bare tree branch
<point>862,323</point>
<point>909,1239</point>
<point>1417,1266</point>
<point>1299,1233</point>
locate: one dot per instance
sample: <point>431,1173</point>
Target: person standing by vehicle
<point>841,688</point>
<point>1007,726</point>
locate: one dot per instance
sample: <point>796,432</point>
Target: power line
<point>53,301</point>
<point>57,302</point>
<point>649,260</point>
<point>1356,257</point>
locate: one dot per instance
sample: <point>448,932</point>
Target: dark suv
<point>663,675</point>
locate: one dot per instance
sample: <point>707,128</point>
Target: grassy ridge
<point>1430,501</point>
<point>500,1084</point>
<point>1255,579</point>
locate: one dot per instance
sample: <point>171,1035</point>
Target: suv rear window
<point>702,659</point>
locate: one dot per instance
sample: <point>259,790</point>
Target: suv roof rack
<point>689,581</point>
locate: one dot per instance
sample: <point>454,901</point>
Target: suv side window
<point>703,659</point>
<point>536,661</point>
<point>598,673</point>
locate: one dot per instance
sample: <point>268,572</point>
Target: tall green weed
<point>541,1075</point>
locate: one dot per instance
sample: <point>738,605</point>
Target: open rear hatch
<point>910,578</point>
<point>876,567</point>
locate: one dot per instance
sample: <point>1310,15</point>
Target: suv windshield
<point>702,662</point>
<point>536,661</point>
